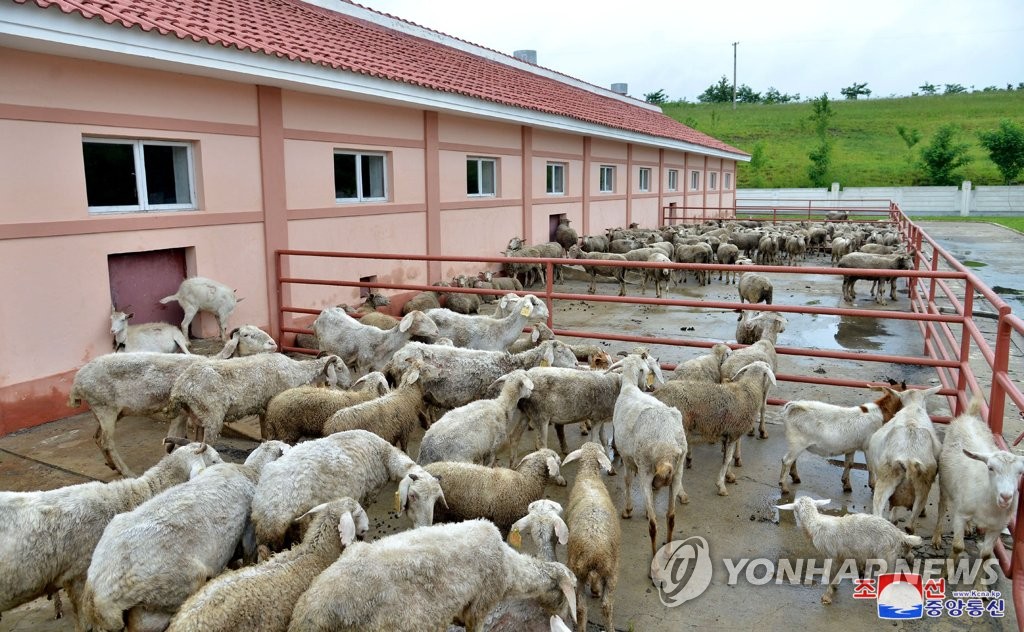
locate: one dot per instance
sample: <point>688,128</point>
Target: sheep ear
<point>347,528</point>
<point>821,502</point>
<point>196,468</point>
<point>229,348</point>
<point>535,335</point>
<point>411,376</point>
<point>129,315</point>
<point>787,506</point>
<point>572,456</point>
<point>406,322</point>
<point>617,365</point>
<point>925,394</point>
<point>561,530</point>
<point>402,495</point>
<point>549,356</point>
<point>552,466</point>
<point>567,584</point>
<point>977,456</point>
<point>312,511</point>
<point>604,461</point>
<point>503,303</point>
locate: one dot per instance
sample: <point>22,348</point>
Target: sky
<point>796,46</point>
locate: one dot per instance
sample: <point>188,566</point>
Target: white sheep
<point>47,537</point>
<point>365,348</point>
<point>759,325</point>
<point>755,288</point>
<point>660,276</point>
<point>247,340</point>
<point>830,430</point>
<point>213,392</point>
<point>705,368</point>
<point>302,411</point>
<point>199,294</point>
<point>149,560</point>
<point>978,482</point>
<point>761,351</point>
<point>156,337</point>
<point>474,433</point>
<point>424,578</point>
<point>262,597</point>
<point>543,521</point>
<point>903,456</point>
<point>354,463</point>
<point>859,537</point>
<point>649,436</point>
<point>485,332</point>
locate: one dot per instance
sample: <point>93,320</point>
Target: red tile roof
<point>306,33</point>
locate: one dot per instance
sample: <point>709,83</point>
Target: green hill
<point>867,149</point>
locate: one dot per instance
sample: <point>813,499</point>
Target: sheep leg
<point>730,450</point>
<point>959,525</point>
<point>738,457</point>
<point>646,483</point>
<point>562,444</point>
<point>627,512</point>
<point>788,467</point>
<point>190,313</point>
<point>581,609</point>
<point>107,418</point>
<point>593,284</point>
<point>58,607</point>
<point>847,465</point>
<point>833,579</point>
<point>921,489</point>
<point>762,433</point>
<point>677,488</point>
<point>606,606</point>
<point>985,548</point>
<point>883,491</point>
<point>622,284</point>
<point>940,514</point>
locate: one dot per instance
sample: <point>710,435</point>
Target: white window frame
<point>480,160</point>
<point>141,191</point>
<point>550,180</point>
<point>712,181</point>
<point>644,180</point>
<point>606,183</point>
<point>359,176</point>
<point>673,179</point>
<point>727,184</point>
<point>695,180</point>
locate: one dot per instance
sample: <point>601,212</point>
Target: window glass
<point>607,180</point>
<point>134,175</point>
<point>555,178</point>
<point>673,180</point>
<point>110,174</point>
<point>359,177</point>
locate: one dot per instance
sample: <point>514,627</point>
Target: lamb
<point>565,235</point>
<point>649,436</point>
<point>758,326</point>
<point>903,457</point>
<point>859,537</point>
<point>755,288</point>
<point>474,433</point>
<point>362,347</point>
<point>660,275</point>
<point>464,375</point>
<point>728,254</point>
<point>617,272</point>
<point>713,413</point>
<point>705,368</point>
<point>157,337</point>
<point>213,392</point>
<point>486,333</point>
<point>544,523</point>
<point>303,411</point>
<point>539,334</point>
<point>595,538</point>
<point>47,537</point>
<point>239,600</point>
<point>424,578</point>
<point>498,494</point>
<point>829,430</point>
<point>149,560</point>
<point>354,463</point>
<point>986,499</point>
<point>902,261</point>
<point>392,416</point>
<point>199,294</point>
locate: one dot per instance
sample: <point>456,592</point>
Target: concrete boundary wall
<point>951,200</point>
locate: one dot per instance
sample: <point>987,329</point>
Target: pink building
<point>147,140</point>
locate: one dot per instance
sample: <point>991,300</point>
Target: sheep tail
<point>167,299</point>
<point>74,398</point>
<point>662,474</point>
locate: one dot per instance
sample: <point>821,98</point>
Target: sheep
<point>595,538</point>
<point>539,334</point>
<point>157,337</point>
<point>245,341</point>
<point>728,254</point>
<point>379,320</point>
<point>199,294</point>
<point>47,537</point>
<point>474,433</point>
<point>304,410</point>
<point>508,284</point>
<point>498,494</point>
<point>761,351</point>
<point>392,416</point>
<point>712,413</point>
<point>551,250</point>
<point>530,272</point>
<point>836,216</point>
<point>213,392</point>
<point>649,436</point>
<point>262,597</point>
<point>755,288</point>
<point>362,347</point>
<point>767,251</point>
<point>594,243</point>
<point>617,272</point>
<point>354,463</point>
<point>901,261</point>
<point>695,253</point>
<point>816,238</point>
<point>487,333</point>
<point>464,375</point>
<point>796,247</point>
<point>840,248</point>
<point>986,499</point>
<point>903,457</point>
<point>705,368</point>
<point>467,566</point>
<point>461,303</point>
<point>859,537</point>
<point>423,301</point>
<point>759,325</point>
<point>829,430</point>
<point>544,523</point>
<point>565,235</point>
<point>149,560</point>
<point>660,275</point>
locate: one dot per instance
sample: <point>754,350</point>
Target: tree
<point>910,137</point>
<point>774,96</point>
<point>928,88</point>
<point>720,92</point>
<point>744,94</point>
<point>954,88</point>
<point>657,98</point>
<point>943,156</point>
<point>821,156</point>
<point>855,90</point>
<point>758,163</point>
<point>822,114</point>
<point>1005,148</point>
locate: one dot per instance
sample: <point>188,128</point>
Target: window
<point>607,184</point>
<point>138,175</point>
<point>480,176</point>
<point>359,177</point>
<point>695,181</point>
<point>556,178</point>
<point>728,182</point>
<point>713,180</point>
<point>645,179</point>
<point>673,179</point>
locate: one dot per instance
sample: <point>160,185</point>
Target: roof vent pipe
<point>529,56</point>
<point>620,88</point>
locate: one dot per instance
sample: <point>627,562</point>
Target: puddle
<point>1007,290</point>
<point>860,333</point>
<point>974,264</point>
<point>841,333</point>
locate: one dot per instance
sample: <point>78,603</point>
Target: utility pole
<point>734,74</point>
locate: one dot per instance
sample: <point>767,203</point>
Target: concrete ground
<point>742,525</point>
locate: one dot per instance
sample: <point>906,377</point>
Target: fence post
<point>548,291</point>
<point>965,199</point>
<point>1000,364</point>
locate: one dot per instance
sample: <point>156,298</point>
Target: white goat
<point>156,337</point>
<point>485,332</point>
<point>365,348</point>
<point>199,294</point>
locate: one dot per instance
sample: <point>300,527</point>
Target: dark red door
<point>138,280</point>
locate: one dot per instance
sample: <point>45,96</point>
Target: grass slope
<point>867,149</point>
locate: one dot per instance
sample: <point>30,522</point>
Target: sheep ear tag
<point>515,538</point>
<point>544,363</point>
<point>650,380</point>
<point>398,502</point>
<point>526,310</point>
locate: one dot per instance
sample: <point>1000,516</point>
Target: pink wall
<point>473,131</point>
<point>320,113</point>
<point>453,176</point>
